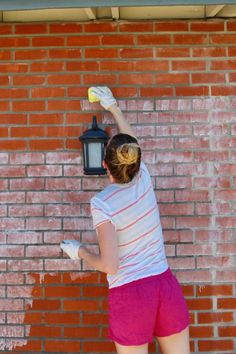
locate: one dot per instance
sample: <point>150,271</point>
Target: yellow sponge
<point>92,98</point>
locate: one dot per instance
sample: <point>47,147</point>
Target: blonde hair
<point>123,157</point>
<point>127,154</point>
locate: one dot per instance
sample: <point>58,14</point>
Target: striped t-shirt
<point>133,210</point>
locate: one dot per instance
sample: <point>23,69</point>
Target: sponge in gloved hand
<point>102,94</point>
<point>92,98</point>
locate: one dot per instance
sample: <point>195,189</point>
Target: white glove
<point>104,95</point>
<point>71,247</point>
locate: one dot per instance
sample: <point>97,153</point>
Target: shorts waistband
<point>167,273</point>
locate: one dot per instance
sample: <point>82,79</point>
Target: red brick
<point>14,42</point>
<point>207,26</point>
<point>213,345</point>
<point>30,54</point>
<point>223,65</point>
<point>208,78</point>
<point>32,345</point>
<point>81,332</point>
<point>190,39</point>
<point>199,304</point>
<point>63,105</point>
<point>136,27</point>
<point>4,80</point>
<point>117,66</point>
<point>156,91</point>
<point>36,28</point>
<point>14,67</point>
<point>85,40</point>
<point>226,303</point>
<point>82,66</point>
<point>64,79</point>
<point>80,305</point>
<point>201,332</point>
<point>227,331</point>
<point>172,52</point>
<point>209,52</point>
<point>64,53</point>
<point>47,41</point>
<point>217,290</point>
<point>62,346</point>
<point>231,51</point>
<point>23,132</point>
<point>22,106</point>
<point>45,118</point>
<point>101,53</point>
<point>45,331</point>
<point>13,93</point>
<point>100,27</point>
<point>136,53</point>
<point>215,317</point>
<point>29,80</point>
<point>227,38</point>
<point>171,26</point>
<point>117,40</point>
<point>47,67</point>
<point>98,347</point>
<point>62,318</point>
<point>65,27</point>
<point>99,79</point>
<point>47,144</point>
<point>6,28</point>
<point>223,90</point>
<point>152,39</point>
<point>188,65</point>
<point>172,79</point>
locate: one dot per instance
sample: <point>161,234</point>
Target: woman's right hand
<point>105,96</point>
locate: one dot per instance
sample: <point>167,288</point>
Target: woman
<point>145,299</point>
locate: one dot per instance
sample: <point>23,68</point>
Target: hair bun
<point>127,154</point>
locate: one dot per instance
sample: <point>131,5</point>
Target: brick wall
<point>175,82</point>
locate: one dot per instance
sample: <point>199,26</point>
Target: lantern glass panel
<point>95,155</point>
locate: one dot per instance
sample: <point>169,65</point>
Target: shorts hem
<point>170,333</point>
<point>128,344</point>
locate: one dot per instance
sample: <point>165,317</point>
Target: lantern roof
<point>94,133</point>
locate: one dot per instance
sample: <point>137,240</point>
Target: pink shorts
<point>148,307</point>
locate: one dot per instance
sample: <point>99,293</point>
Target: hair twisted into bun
<point>127,154</point>
<point>123,157</point>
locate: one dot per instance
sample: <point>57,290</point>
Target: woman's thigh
<point>132,349</point>
<point>176,343</point>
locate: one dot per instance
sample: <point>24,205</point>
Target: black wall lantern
<point>94,141</point>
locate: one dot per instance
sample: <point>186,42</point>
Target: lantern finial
<point>95,124</point>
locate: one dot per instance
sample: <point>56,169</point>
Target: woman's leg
<point>175,344</point>
<point>133,349</point>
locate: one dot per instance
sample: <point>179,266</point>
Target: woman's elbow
<point>112,268</point>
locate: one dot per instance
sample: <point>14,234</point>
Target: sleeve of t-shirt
<point>99,211</point>
<point>145,173</point>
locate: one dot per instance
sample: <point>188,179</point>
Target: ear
<point>104,164</point>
